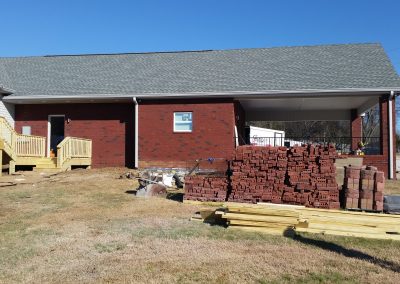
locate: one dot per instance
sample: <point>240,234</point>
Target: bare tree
<point>370,124</point>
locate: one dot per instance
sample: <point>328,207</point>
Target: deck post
<point>11,170</point>
<point>1,162</point>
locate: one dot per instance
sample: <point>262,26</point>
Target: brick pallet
<point>363,188</point>
<point>258,174</point>
<point>206,188</point>
<point>300,175</point>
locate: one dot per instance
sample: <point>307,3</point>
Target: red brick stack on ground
<point>351,187</point>
<point>302,175</point>
<point>206,188</point>
<point>311,173</point>
<point>258,174</point>
<point>363,188</point>
<point>371,189</point>
<point>378,190</point>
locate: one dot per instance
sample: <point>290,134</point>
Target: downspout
<point>136,132</point>
<point>390,111</point>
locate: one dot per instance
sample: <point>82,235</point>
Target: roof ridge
<point>191,51</point>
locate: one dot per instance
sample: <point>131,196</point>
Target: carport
<point>335,105</point>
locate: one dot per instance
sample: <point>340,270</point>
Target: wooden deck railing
<point>21,145</point>
<point>72,147</point>
<point>7,134</point>
<point>30,146</point>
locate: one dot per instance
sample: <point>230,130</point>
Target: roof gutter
<point>6,91</point>
<point>230,94</point>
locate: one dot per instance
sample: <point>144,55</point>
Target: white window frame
<point>25,129</point>
<point>175,122</point>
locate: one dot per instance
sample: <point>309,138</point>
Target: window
<point>183,122</point>
<point>26,130</point>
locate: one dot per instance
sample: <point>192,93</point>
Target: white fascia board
<point>231,94</point>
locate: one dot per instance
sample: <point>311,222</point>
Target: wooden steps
<point>30,150</point>
<point>47,163</point>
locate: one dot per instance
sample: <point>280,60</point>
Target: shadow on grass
<point>175,196</point>
<point>352,253</point>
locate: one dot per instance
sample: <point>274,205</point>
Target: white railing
<point>30,146</point>
<point>21,145</point>
<point>7,133</point>
<point>72,147</point>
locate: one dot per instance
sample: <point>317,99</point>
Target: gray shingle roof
<point>246,70</point>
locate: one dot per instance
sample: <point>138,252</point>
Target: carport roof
<point>258,70</point>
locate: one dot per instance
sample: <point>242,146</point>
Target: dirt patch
<point>82,226</point>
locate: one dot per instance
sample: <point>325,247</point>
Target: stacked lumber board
<point>279,219</point>
<point>283,219</point>
<point>346,223</point>
<point>363,188</point>
<point>206,188</point>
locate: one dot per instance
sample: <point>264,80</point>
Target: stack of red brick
<point>311,173</point>
<point>258,174</point>
<point>206,188</point>
<point>363,188</point>
<point>302,175</point>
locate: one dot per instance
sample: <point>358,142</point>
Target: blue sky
<point>107,26</point>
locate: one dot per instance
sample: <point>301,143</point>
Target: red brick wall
<point>382,161</point>
<point>240,118</point>
<point>355,129</point>
<point>212,135</point>
<point>110,126</point>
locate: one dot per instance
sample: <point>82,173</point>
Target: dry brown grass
<point>393,186</point>
<point>82,227</point>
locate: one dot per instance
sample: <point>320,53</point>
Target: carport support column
<point>356,129</point>
<point>136,132</point>
<point>388,132</point>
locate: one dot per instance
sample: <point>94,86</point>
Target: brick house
<point>165,109</point>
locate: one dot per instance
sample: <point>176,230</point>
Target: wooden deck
<point>29,150</point>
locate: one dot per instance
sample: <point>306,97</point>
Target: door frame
<point>49,130</point>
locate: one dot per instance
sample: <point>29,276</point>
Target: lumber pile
<point>363,188</point>
<point>206,188</point>
<point>272,219</point>
<point>283,219</point>
<point>347,223</point>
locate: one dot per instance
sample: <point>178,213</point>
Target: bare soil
<point>85,226</point>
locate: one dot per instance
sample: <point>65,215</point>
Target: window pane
<point>183,126</point>
<point>183,116</point>
<point>26,130</point>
